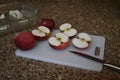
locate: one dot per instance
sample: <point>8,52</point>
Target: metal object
<point>110,66</point>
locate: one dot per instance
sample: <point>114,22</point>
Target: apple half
<point>59,41</point>
<point>42,33</point>
<point>67,29</point>
<point>82,41</point>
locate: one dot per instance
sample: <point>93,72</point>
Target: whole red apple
<point>24,40</point>
<point>47,22</point>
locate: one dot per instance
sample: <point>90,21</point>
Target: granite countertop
<point>98,17</point>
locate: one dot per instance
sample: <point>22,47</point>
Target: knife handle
<point>112,67</point>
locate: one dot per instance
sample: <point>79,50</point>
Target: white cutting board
<point>43,52</point>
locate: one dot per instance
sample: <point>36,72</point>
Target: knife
<point>109,66</point>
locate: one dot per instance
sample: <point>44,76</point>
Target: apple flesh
<point>67,29</point>
<point>84,36</point>
<point>60,47</point>
<point>42,33</point>
<point>47,22</point>
<point>79,43</point>
<point>82,41</point>
<point>59,41</point>
<point>24,40</point>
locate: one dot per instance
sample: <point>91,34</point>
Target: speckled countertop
<point>99,17</point>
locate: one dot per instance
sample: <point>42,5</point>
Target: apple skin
<point>24,40</point>
<point>71,37</point>
<point>60,47</point>
<point>47,22</point>
<point>89,41</point>
<point>42,38</point>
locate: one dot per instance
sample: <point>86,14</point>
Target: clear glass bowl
<point>10,24</point>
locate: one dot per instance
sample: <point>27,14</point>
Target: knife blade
<point>109,66</point>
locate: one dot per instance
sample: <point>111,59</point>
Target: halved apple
<point>82,41</point>
<point>84,36</point>
<point>59,41</point>
<point>42,33</point>
<point>67,29</point>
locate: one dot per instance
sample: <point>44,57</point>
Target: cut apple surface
<point>79,43</point>
<point>16,14</point>
<point>84,36</point>
<point>67,29</point>
<point>59,41</point>
<point>42,33</point>
<point>82,41</point>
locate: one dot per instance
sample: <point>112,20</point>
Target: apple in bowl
<point>67,29</point>
<point>82,41</point>
<point>59,41</point>
<point>41,33</point>
<point>24,40</point>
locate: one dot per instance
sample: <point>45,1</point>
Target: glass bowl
<point>17,16</point>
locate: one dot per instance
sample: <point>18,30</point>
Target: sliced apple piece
<point>82,41</point>
<point>16,14</point>
<point>2,16</point>
<point>84,36</point>
<point>42,33</point>
<point>67,29</point>
<point>79,43</point>
<point>59,41</point>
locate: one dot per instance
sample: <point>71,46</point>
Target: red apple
<point>60,47</point>
<point>42,33</point>
<point>82,41</point>
<point>59,41</point>
<point>24,40</point>
<point>67,29</point>
<point>47,22</point>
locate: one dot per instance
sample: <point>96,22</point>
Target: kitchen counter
<point>97,17</point>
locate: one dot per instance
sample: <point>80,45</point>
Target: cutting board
<point>43,52</point>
